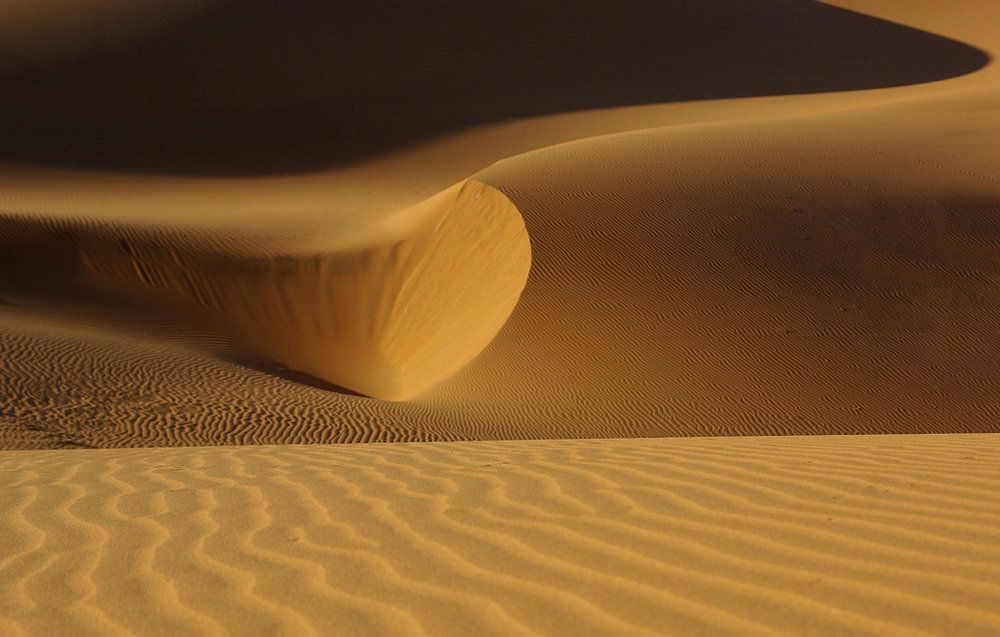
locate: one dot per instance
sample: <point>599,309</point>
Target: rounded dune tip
<point>399,316</point>
<point>387,314</point>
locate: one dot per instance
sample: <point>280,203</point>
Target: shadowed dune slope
<point>767,536</point>
<point>257,86</point>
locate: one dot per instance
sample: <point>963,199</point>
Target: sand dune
<point>561,237</point>
<point>384,306</point>
<point>827,274</point>
<point>755,536</point>
<point>821,262</point>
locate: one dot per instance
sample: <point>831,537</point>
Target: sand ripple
<point>846,535</point>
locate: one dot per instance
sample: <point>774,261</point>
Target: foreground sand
<point>848,535</point>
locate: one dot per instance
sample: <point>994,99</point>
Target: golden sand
<point>845,535</point>
<point>536,244</point>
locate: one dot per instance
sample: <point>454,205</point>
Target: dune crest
<point>385,309</point>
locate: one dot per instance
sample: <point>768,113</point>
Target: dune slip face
<point>867,535</point>
<point>386,308</point>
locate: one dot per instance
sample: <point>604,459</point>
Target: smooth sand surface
<point>387,305</point>
<point>842,535</point>
<point>578,260</point>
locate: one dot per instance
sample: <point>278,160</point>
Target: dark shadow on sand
<point>277,369</point>
<point>267,86</point>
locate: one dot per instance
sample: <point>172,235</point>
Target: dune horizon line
<point>136,85</point>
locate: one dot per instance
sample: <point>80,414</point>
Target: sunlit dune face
<point>388,313</point>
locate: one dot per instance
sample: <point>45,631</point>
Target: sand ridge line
<point>387,316</point>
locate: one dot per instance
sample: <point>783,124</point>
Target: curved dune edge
<point>386,313</point>
<point>872,535</point>
<point>801,264</point>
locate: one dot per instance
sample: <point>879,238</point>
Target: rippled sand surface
<point>610,274</point>
<point>856,535</point>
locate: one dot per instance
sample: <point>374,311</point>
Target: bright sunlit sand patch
<point>852,535</point>
<point>385,306</point>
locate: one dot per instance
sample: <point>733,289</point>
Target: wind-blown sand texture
<point>847,535</point>
<point>549,248</point>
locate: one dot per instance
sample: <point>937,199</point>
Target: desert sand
<point>612,275</point>
<point>826,535</point>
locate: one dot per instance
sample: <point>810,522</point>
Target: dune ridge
<point>385,308</point>
<point>751,536</point>
<point>797,264</point>
<point>308,104</point>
